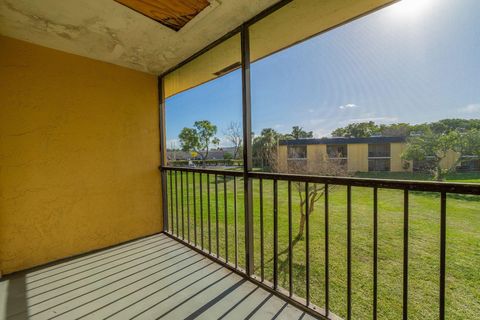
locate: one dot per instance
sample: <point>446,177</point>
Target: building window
<point>469,163</point>
<point>379,150</point>
<point>297,152</point>
<point>378,164</point>
<point>337,151</point>
<point>379,157</point>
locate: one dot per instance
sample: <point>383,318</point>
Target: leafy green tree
<point>448,125</point>
<point>264,148</point>
<point>395,129</point>
<point>471,143</point>
<point>298,133</point>
<point>367,129</point>
<point>199,138</point>
<point>434,146</point>
<point>357,130</point>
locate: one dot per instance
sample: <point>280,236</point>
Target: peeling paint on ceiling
<point>108,31</point>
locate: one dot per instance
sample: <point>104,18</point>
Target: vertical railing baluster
<point>275,234</point>
<point>290,245</point>
<point>307,245</point>
<point>209,216</point>
<point>201,210</point>
<point>176,202</point>
<point>349,252</point>
<point>405,254</point>
<point>225,215</point>
<point>375,251</point>
<point>235,218</point>
<point>262,248</point>
<point>327,256</point>
<point>171,201</point>
<point>181,200</point>
<point>188,206</point>
<point>194,211</point>
<point>443,243</point>
<point>217,236</point>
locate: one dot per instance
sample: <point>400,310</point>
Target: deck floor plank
<point>151,278</point>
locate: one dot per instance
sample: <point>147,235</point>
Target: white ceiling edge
<point>108,31</point>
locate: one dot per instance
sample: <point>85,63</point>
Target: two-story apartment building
<point>356,154</point>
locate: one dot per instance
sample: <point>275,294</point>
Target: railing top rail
<point>449,187</point>
<point>413,185</point>
<point>204,170</point>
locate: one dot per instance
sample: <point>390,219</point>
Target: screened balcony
<point>188,159</point>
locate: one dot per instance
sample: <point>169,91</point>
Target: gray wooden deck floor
<point>151,278</point>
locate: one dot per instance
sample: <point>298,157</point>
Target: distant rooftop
<point>342,140</point>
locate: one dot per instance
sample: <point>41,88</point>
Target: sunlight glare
<point>411,8</point>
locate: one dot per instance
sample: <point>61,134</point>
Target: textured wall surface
<point>357,157</point>
<point>397,164</point>
<point>282,158</point>
<point>449,160</point>
<point>78,155</point>
<point>316,154</point>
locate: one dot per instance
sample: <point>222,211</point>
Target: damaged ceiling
<point>173,14</point>
<point>109,31</point>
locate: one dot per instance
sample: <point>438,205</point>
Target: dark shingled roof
<point>342,140</point>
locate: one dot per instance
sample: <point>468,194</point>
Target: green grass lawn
<point>463,245</point>
<point>464,177</point>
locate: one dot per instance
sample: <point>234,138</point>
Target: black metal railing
<point>198,201</point>
<point>216,197</point>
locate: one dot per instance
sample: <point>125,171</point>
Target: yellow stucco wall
<point>316,154</point>
<point>282,158</point>
<point>357,157</point>
<point>396,162</point>
<point>449,161</point>
<point>78,155</point>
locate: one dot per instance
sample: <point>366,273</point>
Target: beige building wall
<point>449,160</point>
<point>358,157</point>
<point>316,154</point>
<point>397,164</point>
<point>282,158</point>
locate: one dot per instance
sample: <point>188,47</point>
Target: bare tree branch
<point>234,134</point>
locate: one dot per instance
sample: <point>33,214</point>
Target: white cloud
<point>471,108</point>
<point>278,126</point>
<point>311,110</point>
<point>348,106</point>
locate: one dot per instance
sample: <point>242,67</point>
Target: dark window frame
<point>290,152</point>
<point>335,154</point>
<point>379,151</point>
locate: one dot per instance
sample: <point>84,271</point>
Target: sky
<point>415,61</point>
